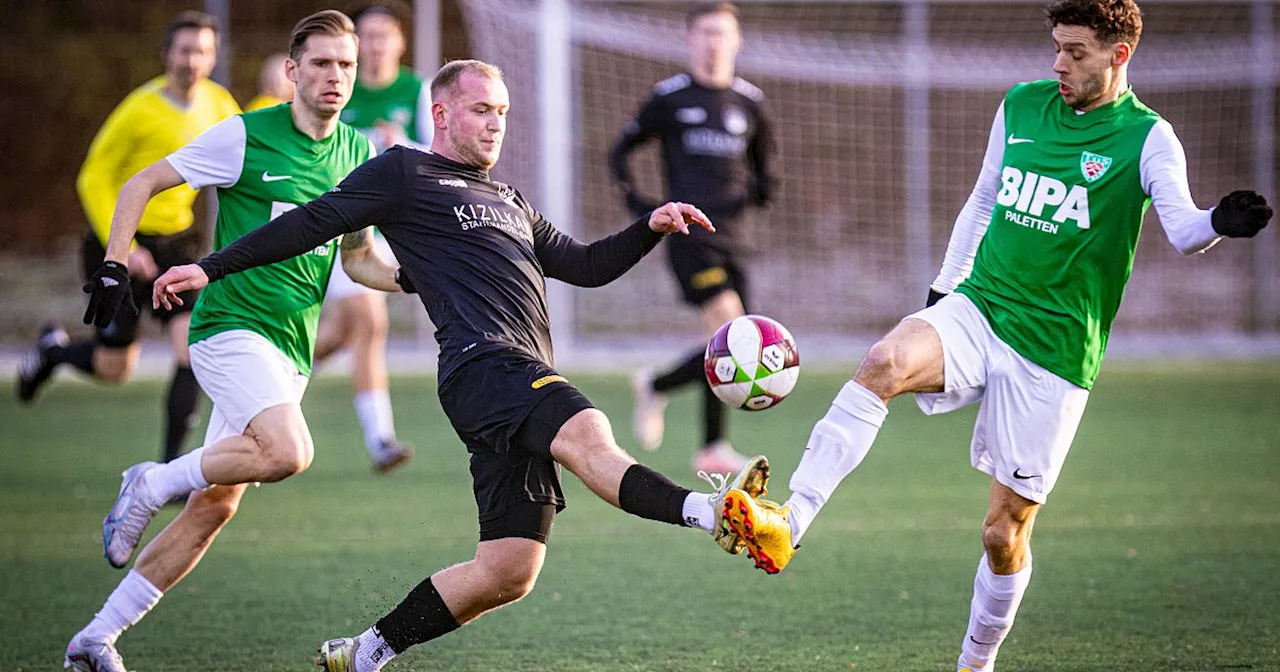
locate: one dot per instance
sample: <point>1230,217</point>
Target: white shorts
<point>244,374</point>
<point>341,286</point>
<point>1028,416</point>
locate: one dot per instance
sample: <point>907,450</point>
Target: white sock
<point>373,409</point>
<point>837,445</point>
<point>373,651</point>
<point>128,603</point>
<point>697,511</point>
<point>995,603</point>
<point>178,477</point>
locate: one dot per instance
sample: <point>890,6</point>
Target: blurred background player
<point>715,145</point>
<point>251,335</point>
<point>392,105</point>
<point>152,121</point>
<point>274,86</point>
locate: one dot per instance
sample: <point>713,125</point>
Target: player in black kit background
<point>479,255</point>
<point>715,145</point>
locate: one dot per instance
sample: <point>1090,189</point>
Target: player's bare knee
<point>513,580</point>
<point>1005,541</point>
<point>285,449</point>
<point>584,436</point>
<point>216,506</point>
<point>882,371</point>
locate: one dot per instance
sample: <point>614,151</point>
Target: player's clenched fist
<point>1241,214</point>
<point>108,289</point>
<point>176,280</point>
<point>674,216</point>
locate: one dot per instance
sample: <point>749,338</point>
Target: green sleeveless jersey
<point>262,166</point>
<point>1052,266</point>
<point>398,104</point>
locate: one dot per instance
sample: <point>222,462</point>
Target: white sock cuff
<point>1007,587</point>
<point>141,588</point>
<point>195,470</point>
<point>861,403</point>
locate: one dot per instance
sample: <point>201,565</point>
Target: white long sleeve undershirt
<point>1163,172</point>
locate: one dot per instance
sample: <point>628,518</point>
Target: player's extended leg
<point>169,557</point>
<point>908,359</point>
<point>184,392</point>
<point>585,446</point>
<point>1002,578</point>
<point>503,571</point>
<point>256,434</point>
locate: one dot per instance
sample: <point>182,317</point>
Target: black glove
<point>638,205</point>
<point>1241,214</point>
<point>108,289</point>
<point>405,283</point>
<point>934,297</point>
<point>761,192</point>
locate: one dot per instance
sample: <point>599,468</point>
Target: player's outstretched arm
<point>364,265</point>
<point>605,260</point>
<point>109,288</point>
<point>365,198</point>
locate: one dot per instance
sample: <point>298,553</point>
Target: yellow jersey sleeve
<point>146,127</point>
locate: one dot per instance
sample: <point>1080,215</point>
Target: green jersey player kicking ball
<point>251,336</point>
<point>1019,317</point>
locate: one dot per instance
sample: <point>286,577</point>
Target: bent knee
<point>284,456</point>
<point>215,506</point>
<point>883,370</point>
<point>512,583</point>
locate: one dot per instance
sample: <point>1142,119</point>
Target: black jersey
<point>475,250</point>
<point>715,144</point>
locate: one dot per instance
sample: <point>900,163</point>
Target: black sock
<point>421,617</point>
<point>648,494</point>
<point>712,417</point>
<point>78,354</point>
<point>180,410</point>
<point>685,372</point>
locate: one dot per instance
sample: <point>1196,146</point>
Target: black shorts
<point>507,408</point>
<point>186,247</point>
<point>703,269</point>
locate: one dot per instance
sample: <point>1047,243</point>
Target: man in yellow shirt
<point>152,122</point>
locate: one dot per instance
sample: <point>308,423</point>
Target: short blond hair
<point>449,74</point>
<point>324,22</point>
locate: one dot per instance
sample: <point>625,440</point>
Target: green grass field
<point>1159,550</point>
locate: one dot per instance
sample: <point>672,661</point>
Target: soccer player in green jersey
<point>1019,316</point>
<point>392,105</point>
<point>251,337</point>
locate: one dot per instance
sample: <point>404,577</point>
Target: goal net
<point>881,111</point>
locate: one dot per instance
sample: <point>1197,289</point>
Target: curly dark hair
<point>1113,20</point>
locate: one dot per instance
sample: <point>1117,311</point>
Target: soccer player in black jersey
<point>479,254</point>
<point>715,145</point>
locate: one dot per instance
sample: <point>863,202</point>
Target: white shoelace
<point>717,480</point>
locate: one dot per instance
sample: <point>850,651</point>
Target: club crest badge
<point>1093,166</point>
<point>735,121</point>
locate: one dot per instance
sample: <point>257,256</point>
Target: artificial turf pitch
<point>1159,549</point>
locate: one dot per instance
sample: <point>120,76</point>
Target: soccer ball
<point>752,363</point>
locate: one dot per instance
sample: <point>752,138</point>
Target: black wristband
<point>406,285</point>
<point>934,297</point>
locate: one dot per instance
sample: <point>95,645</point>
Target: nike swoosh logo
<point>1018,141</point>
<point>1017,473</point>
<point>980,643</point>
<point>268,177</point>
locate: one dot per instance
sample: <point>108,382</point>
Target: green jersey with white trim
<point>1051,269</point>
<point>263,166</point>
<point>404,103</point>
